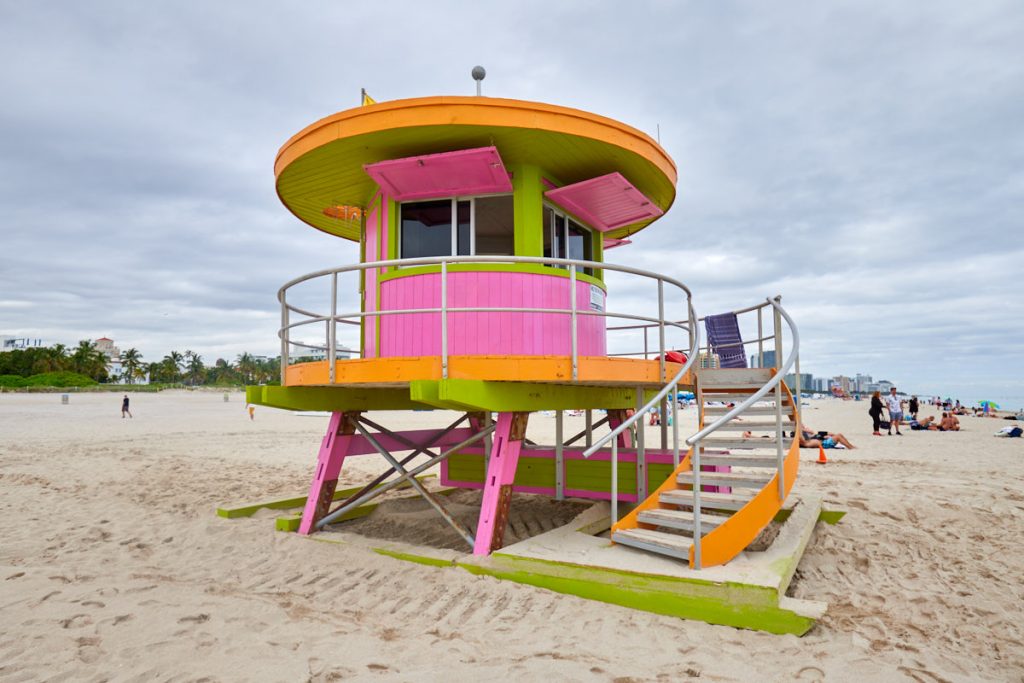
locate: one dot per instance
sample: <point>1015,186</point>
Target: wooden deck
<point>400,371</point>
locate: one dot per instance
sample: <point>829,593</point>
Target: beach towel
<point>724,339</point>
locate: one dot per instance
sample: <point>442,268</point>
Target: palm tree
<point>171,366</point>
<point>131,362</point>
<point>195,367</point>
<point>246,366</point>
<point>89,361</point>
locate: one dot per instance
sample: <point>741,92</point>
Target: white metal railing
<point>774,383</point>
<point>572,310</point>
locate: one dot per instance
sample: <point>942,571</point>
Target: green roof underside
<point>333,175</point>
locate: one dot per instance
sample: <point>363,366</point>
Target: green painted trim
<point>290,523</point>
<point>531,396</point>
<point>418,559</point>
<point>534,268</point>
<point>393,236</point>
<point>249,509</point>
<point>583,475</point>
<point>827,516</point>
<point>528,209</point>
<point>831,516</point>
<point>729,604</point>
<point>332,398</point>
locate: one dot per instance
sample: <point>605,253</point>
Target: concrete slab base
<point>749,592</point>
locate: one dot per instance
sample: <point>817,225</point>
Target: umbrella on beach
<point>989,404</point>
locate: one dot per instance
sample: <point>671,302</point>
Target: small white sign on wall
<point>596,298</point>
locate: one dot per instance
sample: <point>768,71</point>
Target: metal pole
<point>641,454</point>
<point>675,426</point>
<point>332,330</point>
<point>615,481</point>
<point>285,332</point>
<point>559,455</point>
<point>444,320</point>
<point>572,297</point>
<point>779,451</point>
<point>589,428</point>
<point>661,330</point>
<point>695,464</point>
<point>760,338</point>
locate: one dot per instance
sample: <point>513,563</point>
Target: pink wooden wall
<point>488,333</point>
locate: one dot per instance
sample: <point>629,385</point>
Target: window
<point>565,238</point>
<point>482,225</point>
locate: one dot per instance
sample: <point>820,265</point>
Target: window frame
<point>454,221</point>
<point>566,219</point>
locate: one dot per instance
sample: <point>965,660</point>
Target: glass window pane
<point>581,245</point>
<point>559,236</point>
<point>465,227</point>
<point>495,226</point>
<point>426,229</point>
<point>548,219</point>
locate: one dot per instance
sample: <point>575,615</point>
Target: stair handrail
<point>672,385</point>
<point>640,412</point>
<point>768,386</point>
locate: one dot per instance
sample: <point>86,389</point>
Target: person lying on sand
<point>926,424</point>
<point>810,439</point>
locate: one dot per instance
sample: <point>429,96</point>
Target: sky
<point>864,160</point>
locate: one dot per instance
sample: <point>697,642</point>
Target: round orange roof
<point>322,166</point>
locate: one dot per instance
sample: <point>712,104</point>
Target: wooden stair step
<point>740,443</point>
<point>753,410</point>
<point>737,398</point>
<point>756,480</point>
<point>739,460</point>
<point>681,520</point>
<point>743,426</point>
<point>718,501</point>
<point>659,542</point>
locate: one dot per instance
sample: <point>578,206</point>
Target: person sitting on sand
<point>949,423</point>
<point>810,439</point>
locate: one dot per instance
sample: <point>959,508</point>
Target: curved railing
<point>754,512</point>
<point>572,310</point>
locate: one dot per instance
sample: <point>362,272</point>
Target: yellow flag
<point>367,99</point>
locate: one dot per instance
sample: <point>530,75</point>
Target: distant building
<point>841,382</point>
<point>884,386</point>
<point>861,382</point>
<point>341,353</point>
<point>806,381</point>
<point>105,345</point>
<point>21,343</point>
<point>769,360</point>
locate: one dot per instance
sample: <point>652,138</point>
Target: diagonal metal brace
<point>424,448</point>
<point>582,434</point>
<point>384,488</point>
<point>427,495</point>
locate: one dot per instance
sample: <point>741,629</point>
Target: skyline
<point>863,161</point>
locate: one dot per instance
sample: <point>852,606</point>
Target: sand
<point>113,565</point>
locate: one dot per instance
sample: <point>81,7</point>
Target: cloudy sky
<point>865,160</point>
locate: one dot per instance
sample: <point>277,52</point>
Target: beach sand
<point>113,565</point>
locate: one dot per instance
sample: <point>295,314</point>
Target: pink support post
<point>501,472</point>
<point>333,450</point>
<point>616,417</point>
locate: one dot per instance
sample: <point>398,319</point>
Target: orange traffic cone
<point>822,460</point>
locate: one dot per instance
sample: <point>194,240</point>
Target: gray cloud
<point>861,159</point>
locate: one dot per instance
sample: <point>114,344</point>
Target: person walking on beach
<point>124,407</point>
<point>875,411</point>
<point>912,408</point>
<point>252,411</point>
<point>895,406</point>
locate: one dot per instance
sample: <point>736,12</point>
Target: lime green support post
<point>528,207</point>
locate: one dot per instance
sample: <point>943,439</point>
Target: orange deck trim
<point>556,369</point>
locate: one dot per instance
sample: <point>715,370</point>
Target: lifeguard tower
<point>483,289</point>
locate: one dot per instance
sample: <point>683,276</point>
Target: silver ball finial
<point>478,73</point>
